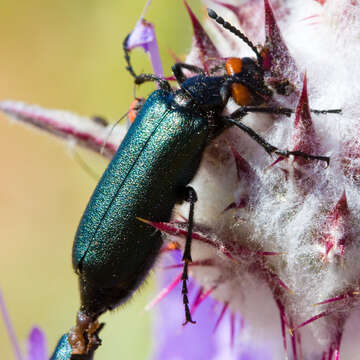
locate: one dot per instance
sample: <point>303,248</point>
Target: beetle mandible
<point>113,251</point>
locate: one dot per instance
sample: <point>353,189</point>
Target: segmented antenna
<point>226,25</point>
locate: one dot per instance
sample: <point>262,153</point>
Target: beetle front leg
<point>190,196</point>
<point>244,110</point>
<point>270,149</point>
<point>163,84</point>
<point>140,79</point>
<point>178,72</point>
<point>255,87</point>
<point>240,113</point>
<point>225,91</point>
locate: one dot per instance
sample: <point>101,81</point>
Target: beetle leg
<point>129,67</point>
<point>330,111</point>
<point>242,111</point>
<point>177,70</point>
<point>277,110</point>
<point>163,84</point>
<point>270,149</point>
<point>225,91</point>
<point>191,197</point>
<point>217,68</point>
<point>140,79</point>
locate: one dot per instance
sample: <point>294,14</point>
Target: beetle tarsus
<point>191,197</point>
<point>270,149</point>
<point>184,291</point>
<point>330,111</point>
<point>306,156</point>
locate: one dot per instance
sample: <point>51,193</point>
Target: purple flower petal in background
<point>172,340</point>
<point>10,328</point>
<point>37,345</point>
<point>144,35</point>
<point>216,334</point>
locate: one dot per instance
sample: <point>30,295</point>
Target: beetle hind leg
<point>191,197</point>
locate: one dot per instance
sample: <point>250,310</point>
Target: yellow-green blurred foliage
<point>66,54</point>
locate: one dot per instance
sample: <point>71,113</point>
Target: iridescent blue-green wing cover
<point>63,349</point>
<point>159,155</point>
<point>107,190</point>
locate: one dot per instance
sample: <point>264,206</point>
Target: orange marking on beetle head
<point>233,65</point>
<point>240,93</point>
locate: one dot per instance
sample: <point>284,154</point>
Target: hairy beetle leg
<point>191,197</point>
<point>163,84</point>
<point>83,337</point>
<point>178,72</point>
<point>235,118</point>
<point>140,79</point>
<point>329,111</point>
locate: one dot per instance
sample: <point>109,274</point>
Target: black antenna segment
<point>226,25</point>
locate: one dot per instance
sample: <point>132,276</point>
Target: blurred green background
<point>66,54</point>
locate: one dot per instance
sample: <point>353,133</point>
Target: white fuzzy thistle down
<point>307,213</point>
<point>273,237</point>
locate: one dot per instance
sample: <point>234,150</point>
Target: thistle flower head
<point>273,236</point>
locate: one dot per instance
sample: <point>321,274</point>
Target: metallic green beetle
<point>161,153</point>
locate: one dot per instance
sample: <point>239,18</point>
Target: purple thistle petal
<point>174,341</point>
<point>144,36</point>
<point>10,328</point>
<point>37,345</point>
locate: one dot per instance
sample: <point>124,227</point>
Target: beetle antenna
<point>226,25</point>
<point>102,149</point>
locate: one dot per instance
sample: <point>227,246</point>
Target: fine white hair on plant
<point>304,212</point>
